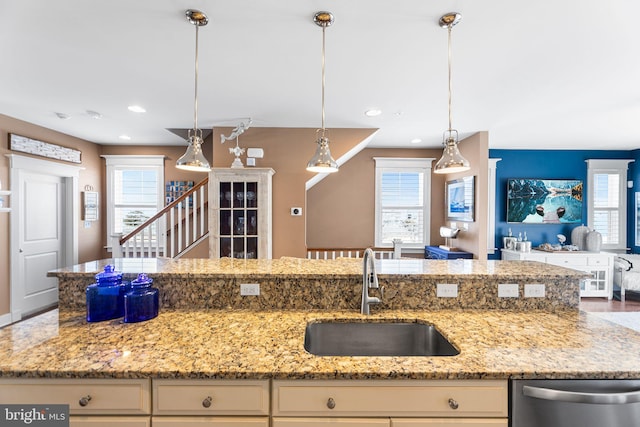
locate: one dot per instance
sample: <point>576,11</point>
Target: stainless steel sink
<point>375,338</point>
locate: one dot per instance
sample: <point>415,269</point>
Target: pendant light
<point>322,162</point>
<point>193,159</point>
<point>451,160</point>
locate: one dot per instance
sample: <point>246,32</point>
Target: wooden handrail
<point>165,210</point>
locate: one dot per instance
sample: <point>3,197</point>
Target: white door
<point>41,238</point>
<point>44,198</point>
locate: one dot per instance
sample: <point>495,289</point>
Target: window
<point>607,201</point>
<point>134,192</point>
<point>403,200</point>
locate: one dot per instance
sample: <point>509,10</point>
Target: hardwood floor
<point>603,304</point>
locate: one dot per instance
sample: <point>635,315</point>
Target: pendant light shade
<point>452,160</point>
<point>322,162</point>
<point>194,159</point>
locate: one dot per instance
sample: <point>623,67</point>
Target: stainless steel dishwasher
<point>579,403</point>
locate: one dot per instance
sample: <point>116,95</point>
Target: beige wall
<point>475,149</point>
<point>287,151</point>
<point>341,208</point>
<point>89,239</point>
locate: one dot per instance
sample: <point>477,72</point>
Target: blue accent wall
<point>553,164</point>
<point>634,174</point>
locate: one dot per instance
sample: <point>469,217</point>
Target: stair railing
<point>172,231</point>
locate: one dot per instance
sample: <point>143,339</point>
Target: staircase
<point>172,232</point>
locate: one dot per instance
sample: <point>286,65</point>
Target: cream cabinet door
<point>449,422</point>
<point>98,421</point>
<point>99,396</point>
<point>463,398</point>
<point>211,397</point>
<point>327,422</point>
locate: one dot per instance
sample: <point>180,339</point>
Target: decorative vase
<point>579,236</point>
<point>593,241</point>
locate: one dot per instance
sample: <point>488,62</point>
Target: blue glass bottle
<point>142,301</point>
<point>105,298</point>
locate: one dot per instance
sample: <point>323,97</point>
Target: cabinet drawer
<point>224,397</point>
<point>601,261</point>
<point>122,397</point>
<point>100,421</point>
<point>565,261</point>
<point>211,421</point>
<point>335,422</point>
<point>447,422</point>
<point>387,398</point>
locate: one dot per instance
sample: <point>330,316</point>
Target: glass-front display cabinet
<point>240,215</point>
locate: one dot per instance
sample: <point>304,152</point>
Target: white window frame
<point>609,166</point>
<point>400,164</point>
<point>116,162</point>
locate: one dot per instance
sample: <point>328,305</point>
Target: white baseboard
<point>5,319</point>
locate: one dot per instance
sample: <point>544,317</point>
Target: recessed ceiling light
<point>373,112</point>
<point>63,116</point>
<point>94,114</point>
<point>125,137</point>
<point>416,141</point>
<point>136,109</point>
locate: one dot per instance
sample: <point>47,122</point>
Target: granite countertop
<point>289,266</point>
<point>250,344</point>
<point>300,284</point>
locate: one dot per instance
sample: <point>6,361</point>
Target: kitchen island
<point>215,357</point>
<point>206,329</point>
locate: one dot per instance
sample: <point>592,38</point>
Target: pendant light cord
<point>195,102</point>
<point>449,59</point>
<point>324,27</point>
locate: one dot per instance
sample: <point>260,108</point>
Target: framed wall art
<point>44,149</point>
<point>540,201</point>
<point>460,198</point>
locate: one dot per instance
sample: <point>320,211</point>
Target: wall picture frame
<point>460,198</point>
<point>544,201</point>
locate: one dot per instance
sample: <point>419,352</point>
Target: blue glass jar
<point>105,298</point>
<point>142,301</point>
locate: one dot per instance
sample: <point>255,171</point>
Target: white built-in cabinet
<point>598,264</point>
<point>240,213</point>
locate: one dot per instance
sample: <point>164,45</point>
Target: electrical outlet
<point>534,290</point>
<point>447,290</point>
<point>249,289</point>
<point>296,211</point>
<point>508,290</point>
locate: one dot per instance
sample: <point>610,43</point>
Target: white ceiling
<point>534,74</point>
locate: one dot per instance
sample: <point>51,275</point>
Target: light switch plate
<point>447,290</point>
<point>249,289</point>
<point>508,290</point>
<point>534,290</point>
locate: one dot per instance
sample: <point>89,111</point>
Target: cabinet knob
<point>207,402</point>
<point>453,404</point>
<point>84,401</point>
<point>331,403</point>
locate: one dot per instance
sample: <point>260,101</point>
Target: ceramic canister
<point>593,241</point>
<point>579,236</point>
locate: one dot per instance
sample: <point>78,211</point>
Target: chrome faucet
<point>369,280</point>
